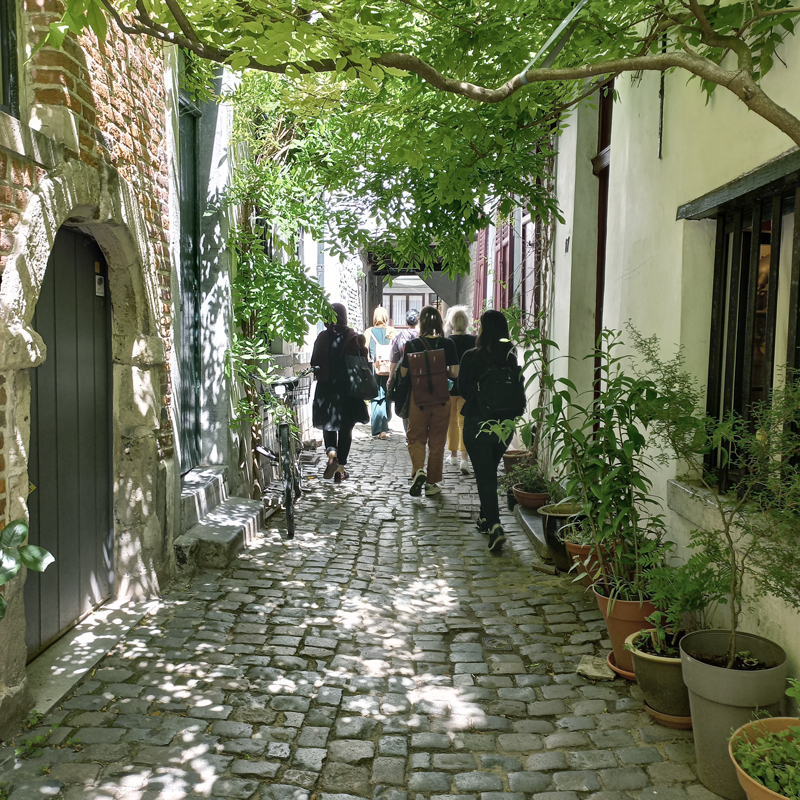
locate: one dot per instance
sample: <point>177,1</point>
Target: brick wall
<point>114,91</point>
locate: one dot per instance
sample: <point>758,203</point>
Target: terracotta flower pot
<point>725,699</point>
<point>623,618</point>
<point>529,499</point>
<point>661,680</point>
<point>579,554</point>
<point>753,731</point>
<point>513,457</point>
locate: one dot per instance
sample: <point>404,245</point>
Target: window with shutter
<point>503,266</point>
<point>481,269</point>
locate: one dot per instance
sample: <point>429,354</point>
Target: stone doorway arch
<point>102,205</point>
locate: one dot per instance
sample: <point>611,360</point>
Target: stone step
<point>202,490</point>
<point>215,541</point>
<point>531,523</point>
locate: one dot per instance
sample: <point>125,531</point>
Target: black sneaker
<point>496,538</point>
<point>483,526</point>
<point>417,483</point>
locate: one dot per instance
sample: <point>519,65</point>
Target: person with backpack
<point>456,325</point>
<point>493,388</point>
<point>379,340</point>
<point>333,410</point>
<point>431,360</point>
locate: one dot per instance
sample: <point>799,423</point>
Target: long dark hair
<point>430,322</point>
<point>493,340</point>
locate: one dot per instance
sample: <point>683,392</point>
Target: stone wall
<point>90,153</point>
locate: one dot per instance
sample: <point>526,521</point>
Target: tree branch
<point>740,82</point>
<point>714,39</point>
<point>183,22</point>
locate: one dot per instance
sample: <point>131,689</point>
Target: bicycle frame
<point>288,437</point>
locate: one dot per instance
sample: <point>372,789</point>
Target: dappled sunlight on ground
<point>381,654</point>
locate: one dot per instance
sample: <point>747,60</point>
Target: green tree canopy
<point>478,49</point>
<point>413,114</point>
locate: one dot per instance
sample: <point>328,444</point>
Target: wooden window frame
<point>733,303</point>
<point>401,323</point>
<point>481,272</point>
<point>503,265</point>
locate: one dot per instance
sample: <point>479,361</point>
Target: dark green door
<point>70,451</point>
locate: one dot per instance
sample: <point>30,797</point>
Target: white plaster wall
<point>659,270</point>
<point>575,248</point>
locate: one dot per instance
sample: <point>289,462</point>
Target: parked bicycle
<point>290,393</point>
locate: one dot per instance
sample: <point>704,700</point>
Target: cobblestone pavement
<point>362,660</point>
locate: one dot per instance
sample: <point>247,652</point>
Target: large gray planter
<point>723,700</point>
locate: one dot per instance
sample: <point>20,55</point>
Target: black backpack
<point>501,392</point>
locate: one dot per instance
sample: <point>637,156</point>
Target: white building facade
<point>679,218</point>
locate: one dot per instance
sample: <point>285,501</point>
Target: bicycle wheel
<point>287,467</point>
<point>297,470</point>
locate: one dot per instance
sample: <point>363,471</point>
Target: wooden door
<point>70,458</point>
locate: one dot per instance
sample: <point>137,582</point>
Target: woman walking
<point>333,410</point>
<point>456,326</point>
<point>427,425</point>
<point>379,340</point>
<point>493,348</point>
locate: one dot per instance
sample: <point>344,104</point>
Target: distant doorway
<point>70,459</point>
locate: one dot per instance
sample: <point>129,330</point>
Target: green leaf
<point>14,534</point>
<point>10,565</point>
<point>35,557</point>
<point>97,20</point>
<point>3,607</point>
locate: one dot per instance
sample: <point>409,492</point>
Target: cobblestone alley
<point>384,653</point>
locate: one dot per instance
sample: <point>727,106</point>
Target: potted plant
<point>766,755</point>
<point>530,485</point>
<point>601,443</point>
<point>556,518</point>
<point>581,547</point>
<point>682,595</point>
<point>730,673</point>
<point>513,457</point>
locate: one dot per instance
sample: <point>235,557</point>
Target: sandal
<point>340,475</point>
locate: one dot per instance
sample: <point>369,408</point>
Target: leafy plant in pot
<point>530,485</point>
<point>766,755</point>
<point>580,545</point>
<point>601,442</point>
<point>682,595</point>
<point>730,673</point>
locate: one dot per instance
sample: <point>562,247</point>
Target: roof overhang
<point>765,180</point>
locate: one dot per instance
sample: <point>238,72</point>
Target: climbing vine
<point>273,296</point>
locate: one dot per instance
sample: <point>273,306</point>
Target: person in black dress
<point>333,411</point>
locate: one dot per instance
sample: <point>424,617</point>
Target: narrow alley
<point>384,653</point>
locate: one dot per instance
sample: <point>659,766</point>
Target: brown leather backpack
<point>428,376</point>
